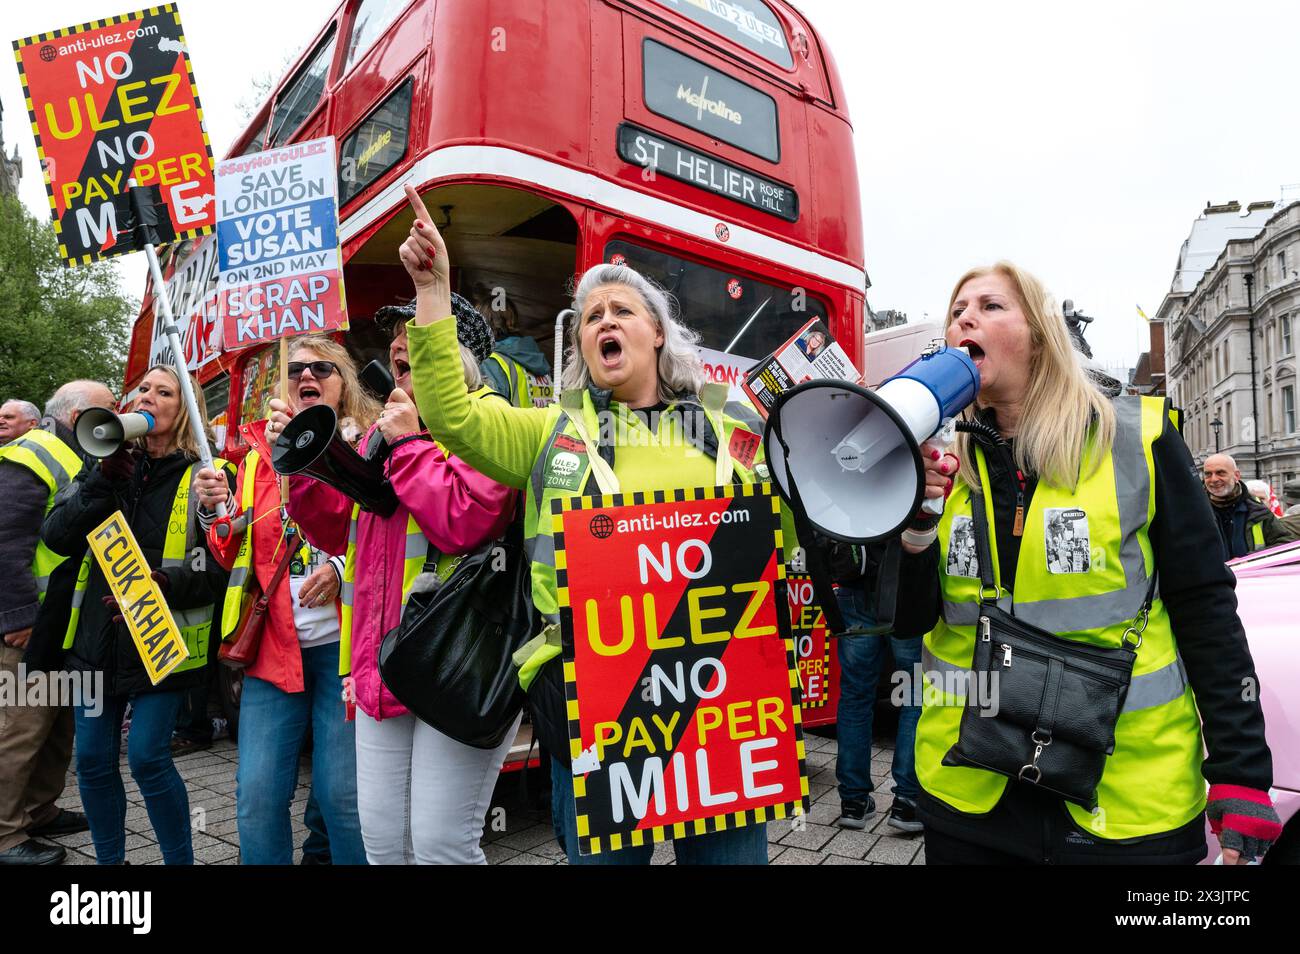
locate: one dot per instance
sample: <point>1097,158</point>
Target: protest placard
<point>277,237</point>
<point>153,629</point>
<point>810,355</point>
<point>678,662</point>
<point>812,647</point>
<point>109,101</point>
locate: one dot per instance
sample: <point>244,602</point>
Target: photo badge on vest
<point>962,558</point>
<point>566,464</point>
<point>1069,548</point>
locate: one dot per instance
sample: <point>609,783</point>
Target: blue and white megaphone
<point>100,432</point>
<point>851,457</point>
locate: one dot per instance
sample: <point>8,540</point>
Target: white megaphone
<point>100,432</point>
<point>851,457</point>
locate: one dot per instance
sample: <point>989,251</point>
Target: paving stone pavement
<point>517,832</point>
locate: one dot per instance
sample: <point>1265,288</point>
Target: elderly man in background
<point>1245,524</point>
<point>17,418</point>
<point>36,739</point>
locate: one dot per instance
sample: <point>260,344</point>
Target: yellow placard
<point>157,638</point>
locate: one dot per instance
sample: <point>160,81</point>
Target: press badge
<point>962,559</point>
<point>1069,548</point>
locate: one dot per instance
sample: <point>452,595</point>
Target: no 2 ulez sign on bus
<point>109,101</point>
<point>679,665</point>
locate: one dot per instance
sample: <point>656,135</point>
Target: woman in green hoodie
<point>638,414</point>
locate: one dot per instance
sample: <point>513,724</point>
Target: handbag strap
<point>983,551</point>
<point>290,548</point>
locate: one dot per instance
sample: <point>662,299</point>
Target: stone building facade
<point>1251,286</point>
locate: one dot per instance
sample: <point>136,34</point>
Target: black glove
<point>118,468</point>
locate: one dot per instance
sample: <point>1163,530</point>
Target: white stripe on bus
<point>585,187</point>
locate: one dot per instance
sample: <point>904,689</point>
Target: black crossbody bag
<point>449,660</point>
<point>1041,709</point>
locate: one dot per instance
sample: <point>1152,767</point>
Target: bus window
<point>255,141</point>
<point>301,94</point>
<point>734,314</point>
<point>377,145</point>
<point>216,401</point>
<point>261,383</point>
<point>749,23</point>
<point>372,19</point>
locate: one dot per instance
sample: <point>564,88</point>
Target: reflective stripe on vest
<point>539,543</point>
<point>195,624</point>
<point>55,464</point>
<point>1095,547</point>
<point>240,574</point>
<point>525,388</point>
<point>1257,536</point>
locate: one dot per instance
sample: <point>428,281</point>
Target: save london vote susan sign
<point>679,665</point>
<point>278,244</point>
<point>109,101</point>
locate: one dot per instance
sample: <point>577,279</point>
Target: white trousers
<point>421,795</point>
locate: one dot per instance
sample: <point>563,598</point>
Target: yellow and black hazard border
<point>594,845</point>
<point>167,9</point>
<point>826,664</point>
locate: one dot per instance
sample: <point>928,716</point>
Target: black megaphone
<point>312,446</point>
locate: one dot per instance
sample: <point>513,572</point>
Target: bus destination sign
<point>672,159</point>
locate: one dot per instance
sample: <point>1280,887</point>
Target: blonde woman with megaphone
<point>150,484</point>
<point>1078,504</point>
<point>292,682</point>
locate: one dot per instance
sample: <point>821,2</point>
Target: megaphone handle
<point>943,437</point>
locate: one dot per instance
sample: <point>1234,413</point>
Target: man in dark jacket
<point>1245,524</point>
<point>35,739</point>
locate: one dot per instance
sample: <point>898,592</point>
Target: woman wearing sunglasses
<point>294,682</point>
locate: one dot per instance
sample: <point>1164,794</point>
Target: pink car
<point>1267,584</point>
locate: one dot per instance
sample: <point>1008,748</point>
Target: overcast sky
<point>1077,139</point>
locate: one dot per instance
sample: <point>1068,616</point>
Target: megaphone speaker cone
<point>310,445</point>
<point>851,456</point>
<point>100,432</point>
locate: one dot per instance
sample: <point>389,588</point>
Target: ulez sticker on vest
<point>153,629</point>
<point>680,677</point>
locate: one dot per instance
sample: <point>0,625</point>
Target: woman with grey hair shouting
<point>634,369</point>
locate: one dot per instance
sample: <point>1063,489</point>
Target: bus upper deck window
<point>373,18</point>
<point>749,23</point>
<point>301,94</point>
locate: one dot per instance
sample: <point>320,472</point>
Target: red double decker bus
<point>704,142</point>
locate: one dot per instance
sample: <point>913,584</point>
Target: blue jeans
<point>272,727</point>
<point>860,659</point>
<point>735,846</point>
<point>149,755</point>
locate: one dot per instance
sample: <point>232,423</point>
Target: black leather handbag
<point>449,660</point>
<point>1041,709</point>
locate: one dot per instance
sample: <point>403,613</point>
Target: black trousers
<point>1030,827</point>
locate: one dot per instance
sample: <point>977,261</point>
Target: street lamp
<point>1249,279</point>
<point>1215,425</point>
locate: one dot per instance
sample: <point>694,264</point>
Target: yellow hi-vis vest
<point>194,624</point>
<point>1082,573</point>
<point>55,463</point>
<point>526,388</point>
<point>575,423</point>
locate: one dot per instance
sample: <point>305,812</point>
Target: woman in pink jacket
<point>422,796</point>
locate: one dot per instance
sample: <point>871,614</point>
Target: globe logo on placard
<point>48,53</point>
<point>602,527</point>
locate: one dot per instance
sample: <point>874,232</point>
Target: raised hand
<point>424,254</point>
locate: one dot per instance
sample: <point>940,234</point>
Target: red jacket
<point>279,657</point>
